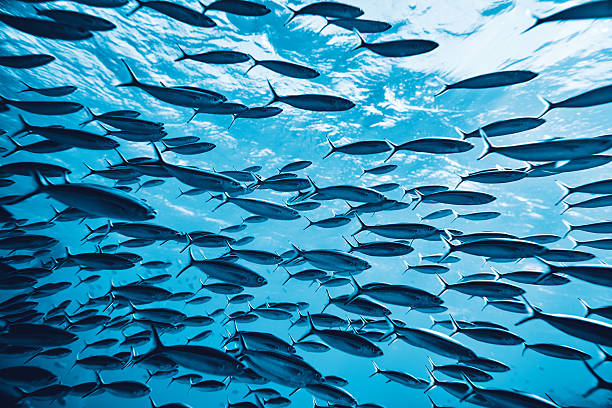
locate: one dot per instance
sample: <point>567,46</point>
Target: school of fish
<point>235,334</point>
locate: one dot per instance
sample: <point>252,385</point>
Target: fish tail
<point>17,148</point>
<point>588,308</point>
<point>569,226</point>
<point>450,248</point>
<point>158,154</point>
<point>331,145</point>
<point>533,313</point>
<point>394,149</point>
<point>461,132</point>
<point>362,225</point>
<point>234,117</point>
<point>224,201</point>
<point>327,22</point>
<point>376,369</point>
<point>488,147</point>
<point>362,42</point>
<point>275,97</point>
<point>183,54</point>
<point>195,112</point>
<point>91,171</point>
<point>471,388</point>
<point>549,106</point>
<point>446,88</point>
<point>138,7</point>
<point>311,328</point>
<point>444,283</point>
<point>133,80</point>
<point>433,380</point>
<point>156,340</point>
<point>567,207</point>
<point>28,87</point>
<point>255,63</point>
<point>567,190</point>
<point>91,119</point>
<point>294,14</point>
<point>534,25</point>
<point>310,223</point>
<point>25,126</point>
<point>357,290</point>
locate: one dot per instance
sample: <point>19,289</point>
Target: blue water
<point>394,101</point>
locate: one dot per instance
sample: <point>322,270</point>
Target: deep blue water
<point>394,101</point>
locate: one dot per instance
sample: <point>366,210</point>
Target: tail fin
<point>362,42</point>
<point>327,23</point>
<point>255,63</point>
<point>312,329</point>
<point>25,126</point>
<point>184,55</point>
<point>191,259</point>
<point>534,25</point>
<point>549,106</point>
<point>294,14</point>
<point>333,148</point>
<point>93,117</point>
<point>376,369</point>
<point>589,310</point>
<point>456,327</point>
<point>394,149</point>
<point>156,340</point>
<point>446,88</point>
<point>463,134</point>
<point>91,171</point>
<point>158,154</point>
<point>17,148</point>
<point>351,247</point>
<point>451,248</point>
<point>488,148</point>
<point>138,7</point>
<point>362,225</point>
<point>567,190</point>
<point>600,381</point>
<point>533,313</point>
<point>444,283</point>
<point>433,379</point>
<point>28,87</point>
<point>275,97</point>
<point>133,80</point>
<point>569,226</point>
<point>357,290</point>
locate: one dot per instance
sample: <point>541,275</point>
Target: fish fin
<point>534,25</point>
<point>255,63</point>
<point>17,148</point>
<point>93,117</point>
<point>293,15</point>
<point>450,248</point>
<point>600,380</point>
<point>589,310</point>
<point>488,147</point>
<point>394,149</point>
<point>549,106</point>
<point>376,369</point>
<point>456,327</point>
<point>312,329</point>
<point>331,145</point>
<point>446,88</point>
<point>133,80</point>
<point>25,126</point>
<point>362,42</point>
<point>432,378</point>
<point>184,55</point>
<point>461,132</point>
<point>569,226</point>
<point>533,313</point>
<point>138,7</point>
<point>351,247</point>
<point>327,23</point>
<point>358,290</point>
<point>275,97</point>
<point>567,190</point>
<point>362,225</point>
<point>158,154</point>
<point>195,113</point>
<point>91,171</point>
<point>471,388</point>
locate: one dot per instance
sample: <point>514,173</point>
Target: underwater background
<point>395,101</point>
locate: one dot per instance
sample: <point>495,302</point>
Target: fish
<point>398,48</point>
<point>176,12</point>
<point>238,7</point>
<point>359,148</point>
<point>26,61</point>
<point>54,91</point>
<point>44,107</point>
<point>491,80</point>
<point>45,28</point>
<point>312,102</point>
<point>215,57</point>
<point>590,10</point>
<point>77,20</point>
<point>179,96</point>
<point>361,25</point>
<point>565,149</point>
<point>594,97</point>
<point>504,127</point>
<point>285,68</point>
<point>327,9</point>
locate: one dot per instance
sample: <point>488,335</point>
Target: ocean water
<point>395,101</point>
